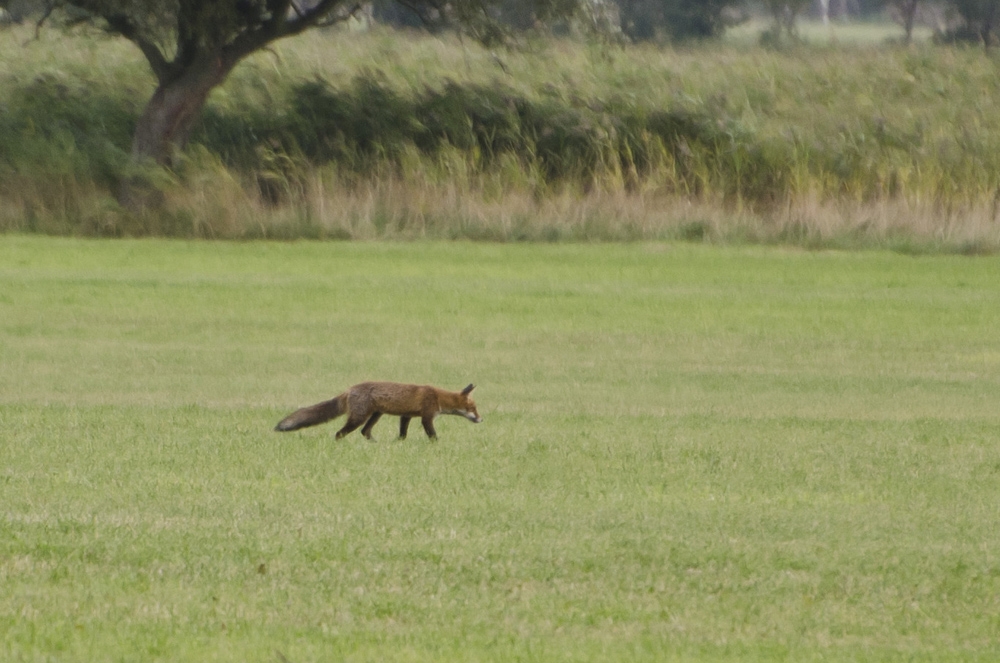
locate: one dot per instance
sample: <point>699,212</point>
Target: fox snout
<point>474,417</point>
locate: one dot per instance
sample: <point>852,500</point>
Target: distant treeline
<point>672,20</point>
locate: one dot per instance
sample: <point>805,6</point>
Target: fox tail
<point>314,414</point>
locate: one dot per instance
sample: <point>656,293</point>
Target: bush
<point>673,19</point>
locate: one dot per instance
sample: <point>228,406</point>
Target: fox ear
<point>468,390</point>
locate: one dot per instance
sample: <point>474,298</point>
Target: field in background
<point>331,135</point>
<point>688,453</point>
<point>836,33</point>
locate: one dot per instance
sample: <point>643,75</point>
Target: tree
<point>908,13</point>
<point>697,18</point>
<point>675,19</point>
<point>192,46</point>
<point>785,13</point>
<point>902,11</point>
<point>15,11</point>
<point>981,17</point>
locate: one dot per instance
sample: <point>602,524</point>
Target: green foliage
<point>56,126</point>
<point>781,136</point>
<point>981,19</point>
<point>675,19</point>
<point>369,125</point>
<point>688,453</point>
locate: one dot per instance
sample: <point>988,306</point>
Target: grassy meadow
<point>689,453</point>
<point>844,141</point>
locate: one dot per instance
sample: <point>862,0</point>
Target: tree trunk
<point>988,23</point>
<point>909,16</point>
<point>166,122</point>
<point>165,126</point>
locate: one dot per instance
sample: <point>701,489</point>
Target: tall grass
<point>389,134</point>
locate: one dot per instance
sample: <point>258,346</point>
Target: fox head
<point>466,406</point>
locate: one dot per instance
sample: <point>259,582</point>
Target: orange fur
<point>365,403</point>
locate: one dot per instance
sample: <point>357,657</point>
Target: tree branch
<point>124,26</point>
<point>121,23</point>
<point>279,10</point>
<point>280,25</point>
<point>49,8</point>
<point>296,9</point>
<point>419,10</point>
<point>311,17</point>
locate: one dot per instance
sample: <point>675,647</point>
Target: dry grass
<point>392,209</point>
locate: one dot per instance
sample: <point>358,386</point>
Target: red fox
<point>365,403</point>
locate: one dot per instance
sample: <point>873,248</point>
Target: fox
<point>365,403</point>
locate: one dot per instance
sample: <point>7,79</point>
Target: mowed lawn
<point>689,453</point>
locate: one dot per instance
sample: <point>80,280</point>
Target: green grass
<point>688,453</point>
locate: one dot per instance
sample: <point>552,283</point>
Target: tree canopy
<point>192,45</point>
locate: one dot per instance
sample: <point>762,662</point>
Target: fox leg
<point>354,422</point>
<point>404,423</point>
<point>372,420</point>
<point>428,423</point>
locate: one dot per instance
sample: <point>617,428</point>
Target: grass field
<point>688,454</point>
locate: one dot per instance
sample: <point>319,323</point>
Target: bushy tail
<point>314,414</point>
